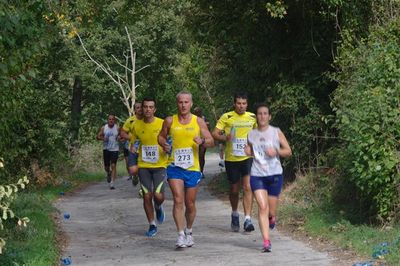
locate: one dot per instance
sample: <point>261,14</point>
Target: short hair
<point>149,99</point>
<point>259,105</point>
<point>184,93</point>
<point>137,102</point>
<point>241,95</point>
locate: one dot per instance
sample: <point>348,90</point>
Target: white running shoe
<point>189,240</point>
<point>181,241</point>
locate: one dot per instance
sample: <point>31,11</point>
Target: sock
<point>266,242</point>
<point>247,217</point>
<point>188,231</point>
<point>153,223</point>
<point>181,233</point>
<point>235,213</point>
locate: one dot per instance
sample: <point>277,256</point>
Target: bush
<point>367,105</point>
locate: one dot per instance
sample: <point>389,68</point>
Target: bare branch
<point>141,69</point>
<point>125,67</point>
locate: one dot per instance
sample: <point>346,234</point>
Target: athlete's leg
<point>261,196</point>
<point>158,185</point>
<point>190,203</point>
<point>234,196</point>
<point>245,167</point>
<point>146,184</point>
<point>247,196</point>
<point>148,206</point>
<point>113,160</point>
<point>178,194</point>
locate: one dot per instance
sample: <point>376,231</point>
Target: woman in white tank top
<point>266,144</point>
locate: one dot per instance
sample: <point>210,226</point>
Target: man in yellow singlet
<point>152,161</point>
<point>187,132</point>
<point>232,129</point>
<point>126,133</point>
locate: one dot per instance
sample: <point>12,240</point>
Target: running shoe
<point>129,178</point>
<point>248,225</point>
<point>221,163</point>
<point>160,214</point>
<point>235,223</point>
<point>272,222</point>
<point>152,230</point>
<point>135,180</point>
<point>189,240</point>
<point>108,177</point>
<point>267,246</point>
<point>181,241</point>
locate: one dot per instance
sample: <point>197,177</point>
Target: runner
<point>152,162</point>
<point>232,129</point>
<point>109,135</point>
<point>187,132</point>
<point>126,134</point>
<point>266,144</point>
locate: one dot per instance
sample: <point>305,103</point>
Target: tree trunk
<point>76,110</point>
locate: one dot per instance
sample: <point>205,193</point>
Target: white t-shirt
<point>263,165</point>
<point>110,142</point>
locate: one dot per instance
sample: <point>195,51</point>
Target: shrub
<point>367,105</point>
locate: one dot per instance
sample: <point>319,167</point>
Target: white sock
<point>153,223</point>
<point>247,217</point>
<point>181,233</point>
<point>188,231</point>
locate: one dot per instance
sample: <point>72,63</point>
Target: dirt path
<point>106,227</point>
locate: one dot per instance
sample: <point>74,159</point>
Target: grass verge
<point>37,244</point>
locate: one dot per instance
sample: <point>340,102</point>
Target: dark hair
<point>137,102</point>
<point>259,105</point>
<point>149,99</point>
<point>241,95</point>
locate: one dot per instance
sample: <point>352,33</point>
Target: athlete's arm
<point>100,135</point>
<point>126,128</point>
<point>162,136</point>
<point>248,149</point>
<point>206,140</point>
<point>218,135</point>
<point>284,150</point>
<point>133,137</point>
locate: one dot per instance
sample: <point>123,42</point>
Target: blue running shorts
<point>273,184</point>
<point>190,178</point>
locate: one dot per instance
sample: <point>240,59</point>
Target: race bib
<point>150,153</point>
<point>184,158</point>
<point>238,145</point>
<point>260,156</point>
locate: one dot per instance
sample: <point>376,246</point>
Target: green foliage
<point>27,109</point>
<point>308,207</point>
<point>276,10</point>
<point>296,112</point>
<point>367,107</point>
<point>7,196</point>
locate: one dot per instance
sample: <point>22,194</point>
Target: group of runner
<point>173,149</point>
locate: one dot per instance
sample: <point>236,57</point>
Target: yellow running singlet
<point>185,151</point>
<point>238,126</point>
<point>151,155</point>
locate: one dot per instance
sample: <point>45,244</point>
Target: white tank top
<point>264,165</point>
<point>110,142</point>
